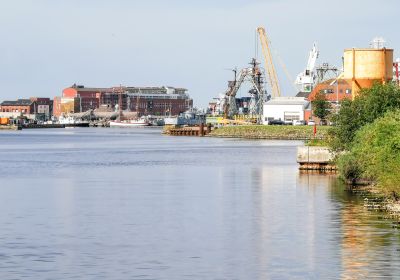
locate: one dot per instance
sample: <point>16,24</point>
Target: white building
<point>284,109</point>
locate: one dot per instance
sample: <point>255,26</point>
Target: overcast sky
<point>47,45</point>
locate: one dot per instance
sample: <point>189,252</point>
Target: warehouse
<point>285,109</point>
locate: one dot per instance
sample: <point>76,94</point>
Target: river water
<point>96,203</point>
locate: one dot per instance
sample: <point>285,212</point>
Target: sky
<point>48,45</point>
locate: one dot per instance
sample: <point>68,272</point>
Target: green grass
<point>288,132</point>
<point>317,143</point>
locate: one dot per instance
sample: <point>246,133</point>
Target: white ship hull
<point>129,123</point>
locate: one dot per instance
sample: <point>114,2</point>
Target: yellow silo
<point>367,66</point>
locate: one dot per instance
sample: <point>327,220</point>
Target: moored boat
<point>130,123</point>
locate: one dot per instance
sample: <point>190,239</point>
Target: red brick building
<point>34,105</point>
<point>89,97</point>
<point>25,106</point>
<point>334,92</point>
<point>159,101</point>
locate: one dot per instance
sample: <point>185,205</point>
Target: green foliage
<point>375,154</point>
<point>270,131</point>
<point>349,167</point>
<point>369,105</point>
<point>321,106</point>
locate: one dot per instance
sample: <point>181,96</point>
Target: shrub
<point>369,105</point>
<point>349,168</point>
<point>375,154</point>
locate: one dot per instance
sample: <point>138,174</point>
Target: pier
<point>200,130</point>
<point>315,158</point>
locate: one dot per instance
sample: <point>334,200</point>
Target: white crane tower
<point>306,79</point>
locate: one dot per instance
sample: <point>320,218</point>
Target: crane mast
<point>306,79</point>
<point>269,65</point>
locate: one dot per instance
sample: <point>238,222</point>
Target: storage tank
<point>366,66</point>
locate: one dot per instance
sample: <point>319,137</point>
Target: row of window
<point>329,90</point>
<point>14,111</point>
<point>158,105</point>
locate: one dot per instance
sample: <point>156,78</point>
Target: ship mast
<point>137,104</point>
<point>119,102</point>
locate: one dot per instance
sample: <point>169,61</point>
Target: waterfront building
<point>158,101</point>
<point>285,109</point>
<point>33,108</point>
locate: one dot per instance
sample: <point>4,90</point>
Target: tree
<point>370,104</point>
<point>375,154</point>
<point>321,106</point>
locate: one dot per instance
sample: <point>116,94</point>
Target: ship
<point>190,117</point>
<point>130,123</point>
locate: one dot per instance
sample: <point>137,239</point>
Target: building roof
<point>287,101</point>
<point>303,94</point>
<point>19,102</point>
<point>111,89</point>
<point>332,82</point>
<point>83,88</point>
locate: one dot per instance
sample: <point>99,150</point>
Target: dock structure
<point>315,158</point>
<point>200,130</point>
<point>10,127</point>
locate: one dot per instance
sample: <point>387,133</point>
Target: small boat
<point>130,123</point>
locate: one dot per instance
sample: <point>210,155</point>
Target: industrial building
<point>33,108</point>
<point>159,101</point>
<point>362,67</point>
<point>285,109</point>
<point>334,91</point>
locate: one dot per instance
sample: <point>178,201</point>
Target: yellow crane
<point>269,65</point>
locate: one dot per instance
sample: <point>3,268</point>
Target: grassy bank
<point>284,132</point>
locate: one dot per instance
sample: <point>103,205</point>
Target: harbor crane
<point>252,75</point>
<point>306,79</point>
<point>269,65</point>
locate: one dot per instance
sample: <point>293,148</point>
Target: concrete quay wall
<point>315,158</point>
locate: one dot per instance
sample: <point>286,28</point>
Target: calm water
<point>132,204</point>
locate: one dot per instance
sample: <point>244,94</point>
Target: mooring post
<point>201,130</point>
<point>208,128</point>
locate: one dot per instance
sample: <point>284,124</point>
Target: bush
<point>375,154</point>
<point>369,105</point>
<point>349,168</point>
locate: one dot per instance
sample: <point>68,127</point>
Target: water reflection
<point>369,248</point>
<point>132,204</point>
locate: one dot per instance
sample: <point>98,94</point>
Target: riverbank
<point>374,199</point>
<point>281,132</point>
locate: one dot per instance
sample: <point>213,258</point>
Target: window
<point>290,116</point>
<point>348,91</point>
